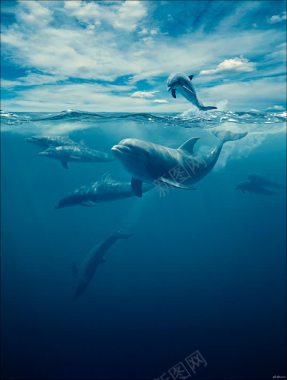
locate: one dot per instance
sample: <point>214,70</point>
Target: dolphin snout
<point>120,149</point>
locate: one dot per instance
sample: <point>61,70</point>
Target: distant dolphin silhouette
<point>50,141</point>
<point>75,153</point>
<point>182,83</point>
<point>93,260</point>
<point>100,191</point>
<point>158,164</point>
<point>259,185</point>
<point>251,187</point>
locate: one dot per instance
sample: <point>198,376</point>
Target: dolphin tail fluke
<point>225,136</point>
<point>207,108</point>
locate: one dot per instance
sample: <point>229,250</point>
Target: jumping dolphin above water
<point>148,162</point>
<point>75,153</point>
<point>50,141</point>
<point>93,260</point>
<point>183,84</point>
<point>100,191</point>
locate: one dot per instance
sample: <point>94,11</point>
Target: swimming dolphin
<point>93,260</point>
<point>161,165</point>
<point>50,141</point>
<point>182,83</point>
<point>252,187</point>
<point>262,181</point>
<point>100,191</point>
<point>75,153</point>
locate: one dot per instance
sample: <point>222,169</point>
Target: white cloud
<point>241,95</point>
<point>124,15</point>
<point>129,14</point>
<point>84,96</point>
<point>32,79</point>
<point>161,101</point>
<point>237,64</point>
<point>277,18</point>
<point>86,12</point>
<point>73,50</point>
<point>143,94</point>
<point>32,13</point>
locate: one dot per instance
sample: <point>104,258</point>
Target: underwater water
<point>204,270</point>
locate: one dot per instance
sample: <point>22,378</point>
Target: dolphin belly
<point>189,95</point>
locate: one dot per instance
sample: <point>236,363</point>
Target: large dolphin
<point>183,84</point>
<point>148,162</point>
<point>75,153</point>
<point>100,191</point>
<point>50,141</point>
<point>93,260</point>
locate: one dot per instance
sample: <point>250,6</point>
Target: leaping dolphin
<point>93,260</point>
<point>181,168</point>
<point>75,153</point>
<point>182,83</point>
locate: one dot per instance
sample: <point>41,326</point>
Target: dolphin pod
<point>149,164</point>
<point>94,258</point>
<point>183,84</point>
<point>160,165</point>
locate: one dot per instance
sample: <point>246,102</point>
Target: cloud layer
<point>107,56</point>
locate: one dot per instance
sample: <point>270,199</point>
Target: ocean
<point>203,276</point>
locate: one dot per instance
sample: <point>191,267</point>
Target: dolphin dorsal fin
<point>189,145</point>
<point>190,77</point>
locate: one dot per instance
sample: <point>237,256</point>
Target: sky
<point>115,56</point>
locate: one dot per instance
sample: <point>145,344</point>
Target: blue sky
<point>116,55</point>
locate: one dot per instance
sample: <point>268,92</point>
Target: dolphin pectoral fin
<point>178,185</point>
<point>173,93</point>
<point>190,77</point>
<point>189,145</point>
<point>136,185</point>
<point>64,164</point>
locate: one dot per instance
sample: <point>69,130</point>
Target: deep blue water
<point>205,269</point>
